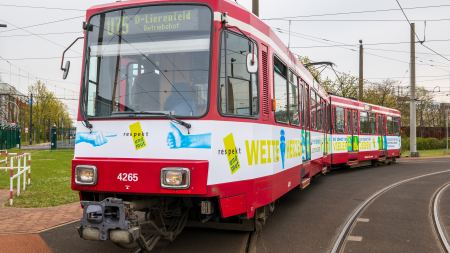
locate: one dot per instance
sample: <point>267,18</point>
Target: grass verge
<point>427,153</point>
<point>50,180</point>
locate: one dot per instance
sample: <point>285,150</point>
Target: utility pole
<point>361,70</point>
<point>446,128</point>
<point>412,107</point>
<point>255,7</point>
<point>30,127</point>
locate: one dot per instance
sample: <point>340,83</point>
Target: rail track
<point>438,226</point>
<point>349,224</point>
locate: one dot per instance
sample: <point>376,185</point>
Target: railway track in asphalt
<point>350,223</point>
<point>438,225</point>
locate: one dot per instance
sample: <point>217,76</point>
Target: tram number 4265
<point>128,177</point>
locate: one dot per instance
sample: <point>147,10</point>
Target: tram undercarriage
<point>142,223</point>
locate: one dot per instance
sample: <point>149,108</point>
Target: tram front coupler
<point>110,219</point>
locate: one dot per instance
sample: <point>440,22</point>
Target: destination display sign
<point>137,22</point>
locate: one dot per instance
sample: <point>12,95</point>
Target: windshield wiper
<point>167,115</point>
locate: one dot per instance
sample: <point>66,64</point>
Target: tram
<point>195,113</point>
<point>363,133</point>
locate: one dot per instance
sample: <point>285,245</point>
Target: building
<point>11,103</point>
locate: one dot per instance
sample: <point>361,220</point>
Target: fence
<point>65,137</point>
<point>426,132</point>
<point>19,169</point>
<point>9,136</point>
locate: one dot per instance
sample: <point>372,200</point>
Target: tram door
<point>354,131</point>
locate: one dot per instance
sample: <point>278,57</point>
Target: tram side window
<point>355,122</point>
<point>396,126</point>
<point>339,128</point>
<point>348,125</point>
<point>294,116</point>
<point>319,113</point>
<point>300,101</point>
<point>238,87</point>
<point>281,92</point>
<point>390,125</point>
<point>364,126</point>
<point>372,123</point>
<point>380,125</point>
<point>305,108</point>
<point>313,109</point>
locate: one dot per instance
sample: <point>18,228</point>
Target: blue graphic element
<point>303,138</point>
<point>177,140</point>
<point>96,139</point>
<point>282,147</point>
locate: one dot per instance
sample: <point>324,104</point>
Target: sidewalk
<point>19,227</point>
<point>34,220</point>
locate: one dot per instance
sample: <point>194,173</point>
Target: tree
<point>48,111</point>
<point>382,93</point>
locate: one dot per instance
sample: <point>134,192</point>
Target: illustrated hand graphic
<point>176,139</point>
<point>95,138</point>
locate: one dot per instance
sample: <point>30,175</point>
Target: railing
<point>19,169</point>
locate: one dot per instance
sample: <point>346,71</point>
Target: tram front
<point>138,145</point>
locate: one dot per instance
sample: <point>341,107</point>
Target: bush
<point>424,143</point>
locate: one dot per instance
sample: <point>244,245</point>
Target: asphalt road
<point>310,220</point>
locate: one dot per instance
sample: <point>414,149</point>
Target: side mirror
<point>252,63</point>
<point>66,70</point>
<point>67,66</point>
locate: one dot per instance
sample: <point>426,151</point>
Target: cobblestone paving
<point>34,220</point>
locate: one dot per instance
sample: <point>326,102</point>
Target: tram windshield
<point>148,59</point>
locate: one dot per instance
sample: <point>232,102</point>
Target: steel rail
<point>437,223</point>
<point>346,228</point>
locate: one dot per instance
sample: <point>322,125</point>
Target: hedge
<point>425,143</point>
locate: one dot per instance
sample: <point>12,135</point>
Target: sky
<point>33,52</point>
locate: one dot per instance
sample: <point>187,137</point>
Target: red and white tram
<point>363,132</point>
<point>196,111</point>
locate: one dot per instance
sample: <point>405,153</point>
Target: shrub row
<point>424,143</point>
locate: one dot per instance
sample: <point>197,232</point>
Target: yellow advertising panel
<point>138,136</point>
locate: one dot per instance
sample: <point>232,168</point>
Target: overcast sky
<point>381,61</point>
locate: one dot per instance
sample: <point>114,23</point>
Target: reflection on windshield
<point>149,59</point>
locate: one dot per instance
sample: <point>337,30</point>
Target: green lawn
<point>427,153</point>
<point>50,180</point>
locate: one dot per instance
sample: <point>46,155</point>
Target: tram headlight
<point>86,175</point>
<point>175,178</point>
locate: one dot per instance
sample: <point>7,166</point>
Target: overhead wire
<point>40,24</point>
<point>41,7</point>
<point>42,34</point>
<point>421,41</point>
<point>369,44</point>
<point>39,36</point>
<point>366,20</point>
<point>357,12</point>
<point>346,46</point>
<point>41,58</point>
